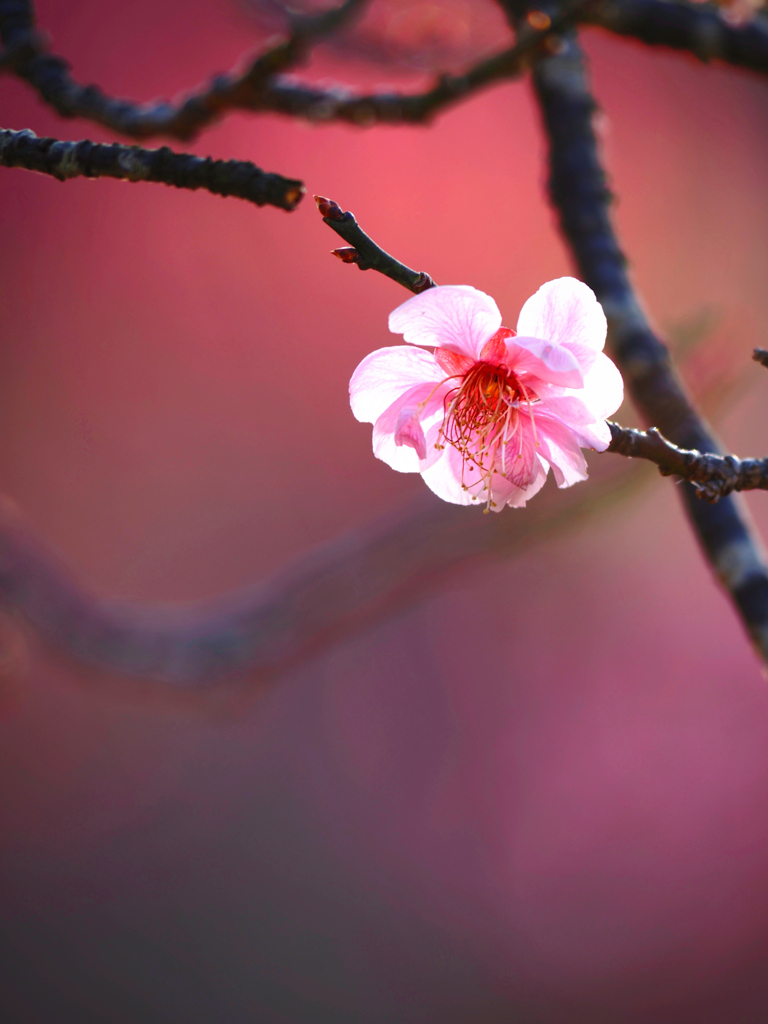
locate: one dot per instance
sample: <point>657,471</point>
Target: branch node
<point>422,282</point>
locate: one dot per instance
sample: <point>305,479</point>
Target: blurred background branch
<point>697,28</point>
<point>262,84</point>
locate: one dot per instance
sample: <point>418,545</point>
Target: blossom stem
<point>713,476</point>
<point>580,195</point>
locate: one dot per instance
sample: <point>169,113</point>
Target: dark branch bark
<point>580,195</point>
<point>365,252</point>
<point>340,104</point>
<point>697,29</point>
<point>260,86</point>
<point>760,355</point>
<point>64,160</point>
<point>712,476</point>
<point>49,75</point>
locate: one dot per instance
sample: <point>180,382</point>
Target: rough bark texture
<point>580,195</point>
<point>64,160</point>
<point>713,476</point>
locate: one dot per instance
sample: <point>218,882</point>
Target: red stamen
<point>481,417</point>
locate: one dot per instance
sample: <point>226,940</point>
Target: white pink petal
<point>486,415</point>
<point>566,312</point>
<point>456,317</point>
<point>384,375</point>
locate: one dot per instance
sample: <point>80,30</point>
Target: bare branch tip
<point>760,355</point>
<point>293,196</point>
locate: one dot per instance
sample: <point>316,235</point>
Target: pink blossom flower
<point>485,415</point>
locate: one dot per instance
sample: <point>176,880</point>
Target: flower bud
<point>347,254</point>
<point>328,209</point>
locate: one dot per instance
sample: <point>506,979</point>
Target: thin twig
<point>365,252</point>
<point>712,476</point>
<point>579,194</point>
<point>64,160</point>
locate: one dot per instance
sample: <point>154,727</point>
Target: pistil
<point>481,417</point>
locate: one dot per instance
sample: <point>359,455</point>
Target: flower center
<point>481,417</point>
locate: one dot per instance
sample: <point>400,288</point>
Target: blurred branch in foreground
<point>331,593</point>
<point>64,160</point>
<point>328,594</point>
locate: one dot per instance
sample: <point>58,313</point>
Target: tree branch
<point>581,198</point>
<point>698,29</point>
<point>49,76</point>
<point>64,160</point>
<point>341,104</point>
<point>712,476</point>
<point>260,87</point>
<point>365,252</point>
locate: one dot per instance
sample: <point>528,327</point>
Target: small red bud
<point>347,254</point>
<point>328,209</point>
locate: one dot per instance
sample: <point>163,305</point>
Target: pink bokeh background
<point>541,794</point>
